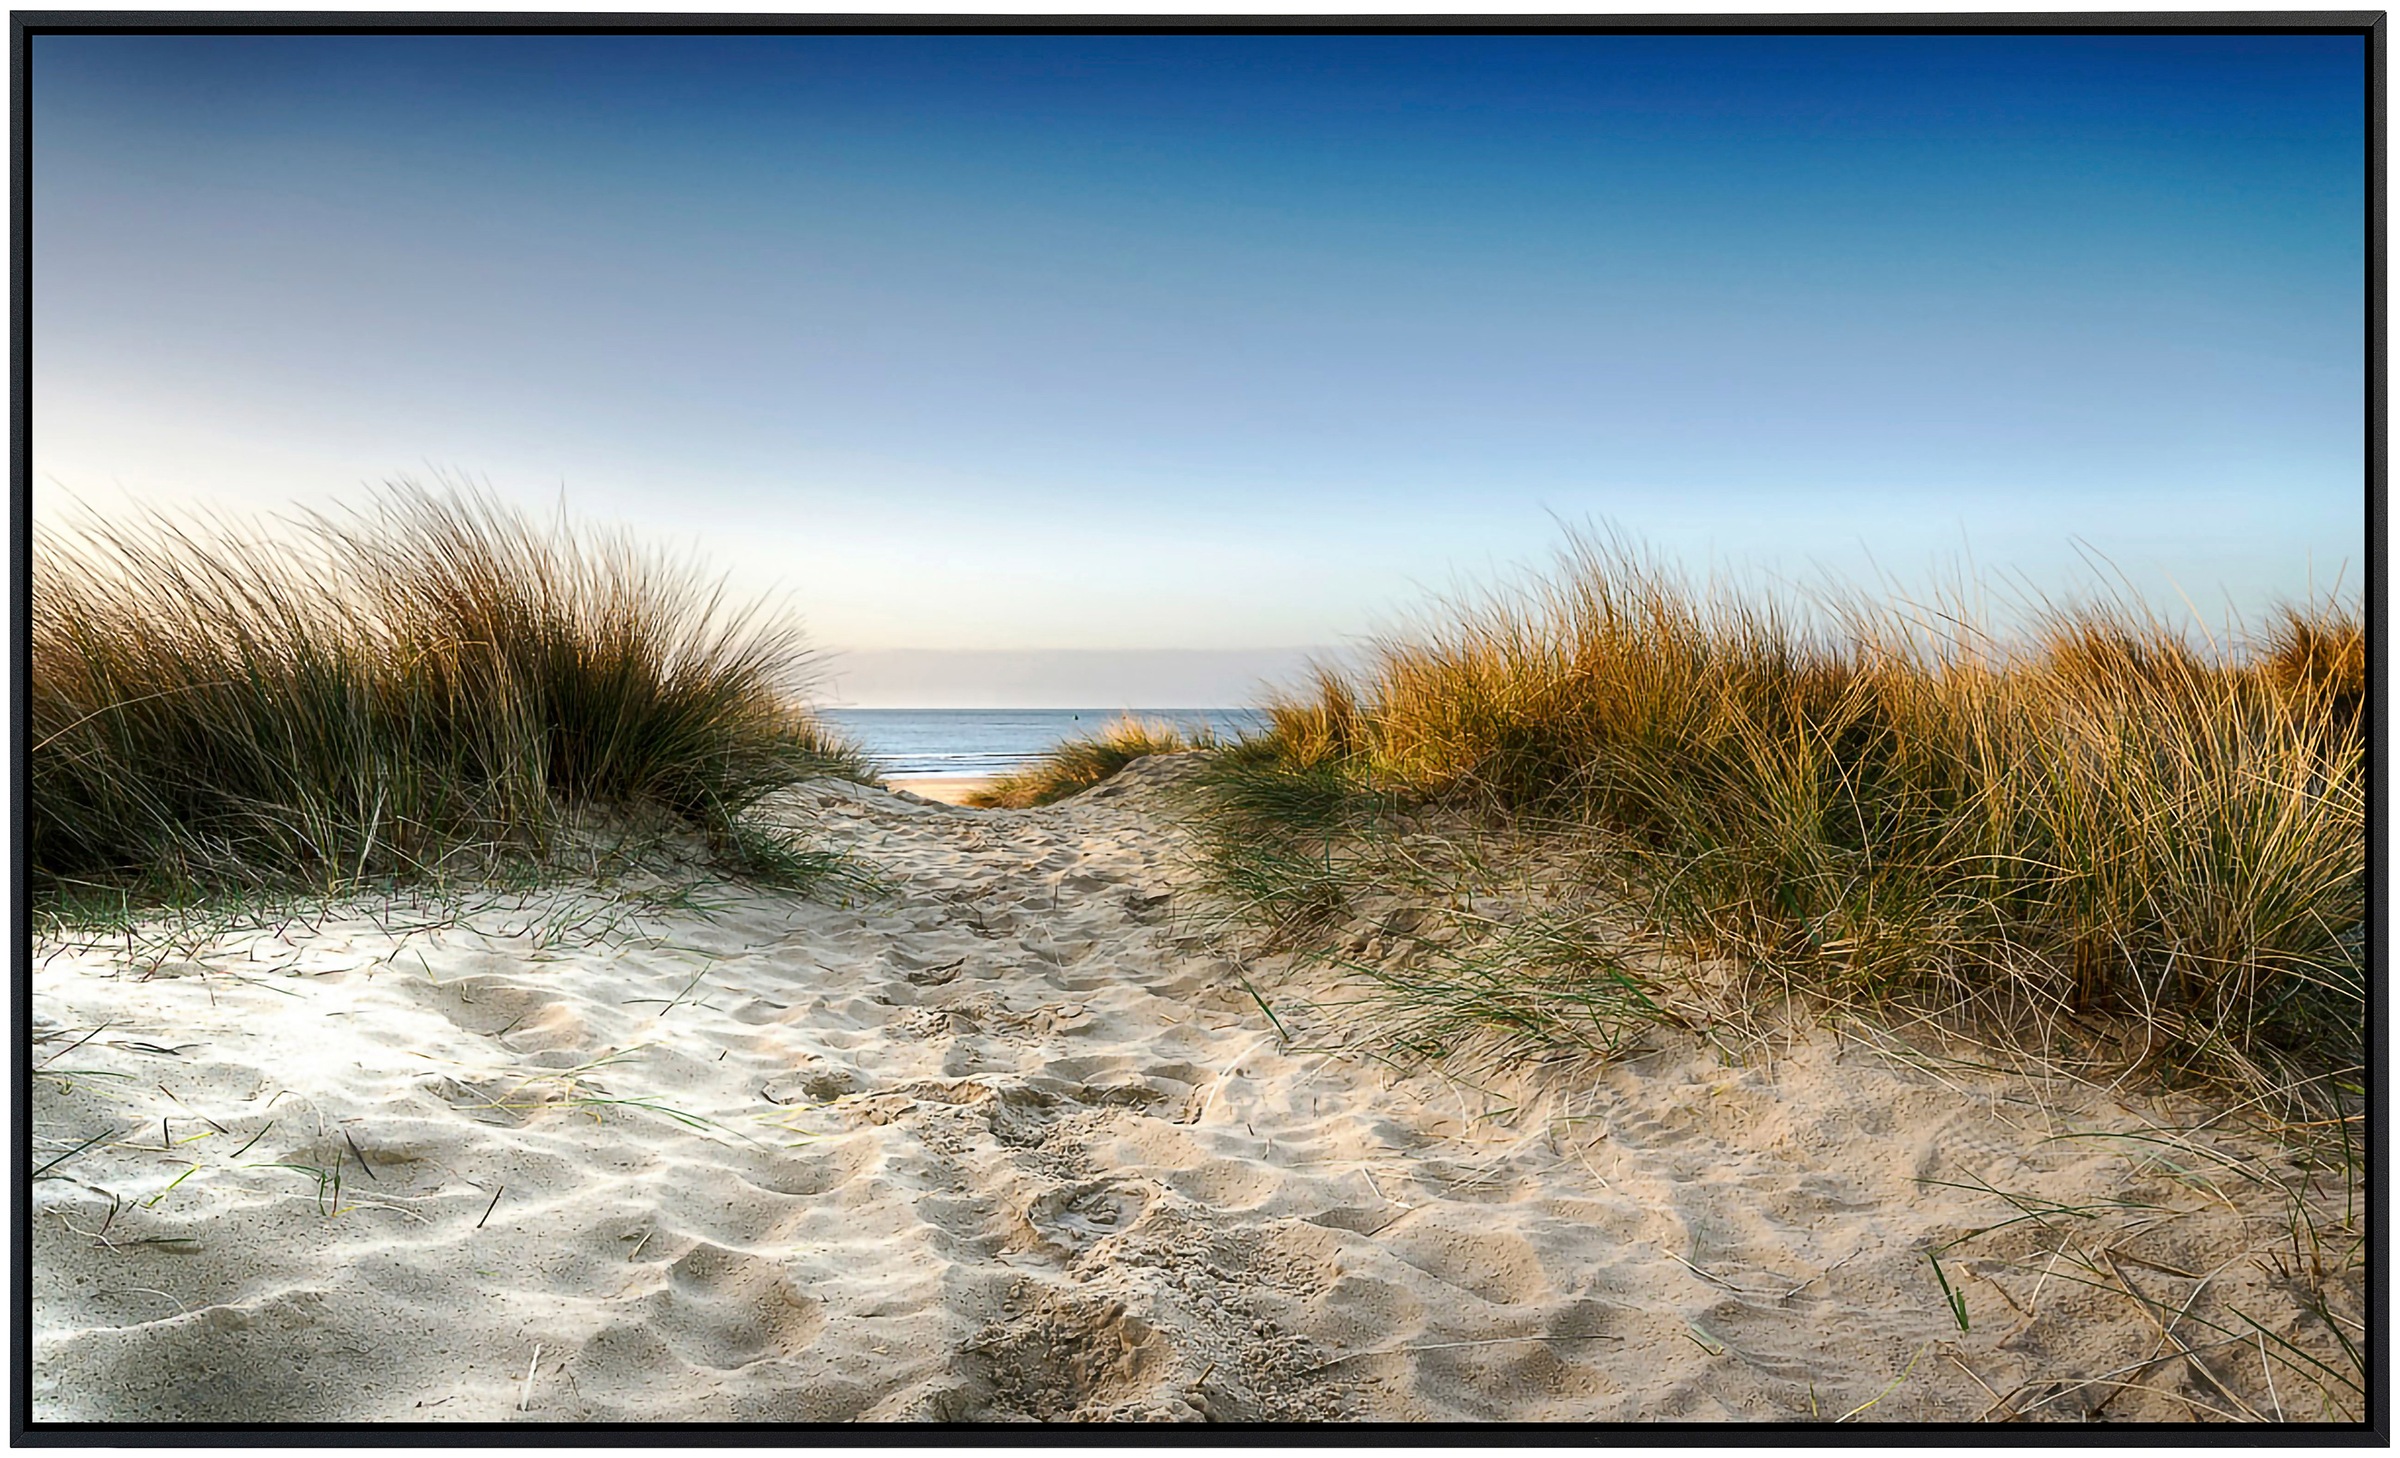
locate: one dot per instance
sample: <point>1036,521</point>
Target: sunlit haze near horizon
<point>1228,343</point>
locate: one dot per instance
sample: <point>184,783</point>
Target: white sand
<point>948,789</point>
<point>1011,1143</point>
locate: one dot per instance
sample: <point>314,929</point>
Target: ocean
<point>927,742</point>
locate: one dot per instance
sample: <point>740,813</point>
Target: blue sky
<point>1229,342</point>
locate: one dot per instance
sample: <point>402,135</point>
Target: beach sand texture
<point>1011,1141</point>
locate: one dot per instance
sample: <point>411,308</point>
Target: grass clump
<point>432,681</point>
<point>1285,842</point>
<point>2098,820</point>
<point>1079,764</point>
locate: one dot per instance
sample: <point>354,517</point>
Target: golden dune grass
<point>1865,800</point>
<point>1079,764</point>
<point>377,694</point>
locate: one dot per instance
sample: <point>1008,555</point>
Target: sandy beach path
<point>948,789</point>
<point>1009,1141</point>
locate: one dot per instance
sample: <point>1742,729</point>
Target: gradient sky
<point>1229,342</point>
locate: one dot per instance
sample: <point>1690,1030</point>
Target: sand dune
<point>1012,1141</point>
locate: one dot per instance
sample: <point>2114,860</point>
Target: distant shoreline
<point>975,744</point>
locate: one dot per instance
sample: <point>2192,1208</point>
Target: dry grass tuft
<point>1079,764</point>
<point>431,680</point>
<point>2101,823</point>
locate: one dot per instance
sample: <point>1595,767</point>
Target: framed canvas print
<point>1631,726</point>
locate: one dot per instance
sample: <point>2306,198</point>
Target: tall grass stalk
<point>384,693</point>
<point>1867,800</point>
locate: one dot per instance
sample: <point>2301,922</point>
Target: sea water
<point>926,742</point>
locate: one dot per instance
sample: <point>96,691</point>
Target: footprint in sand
<point>1070,1219</point>
<point>814,1083</point>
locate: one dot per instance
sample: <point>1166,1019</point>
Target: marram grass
<point>2097,820</point>
<point>429,680</point>
<point>1079,764</point>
